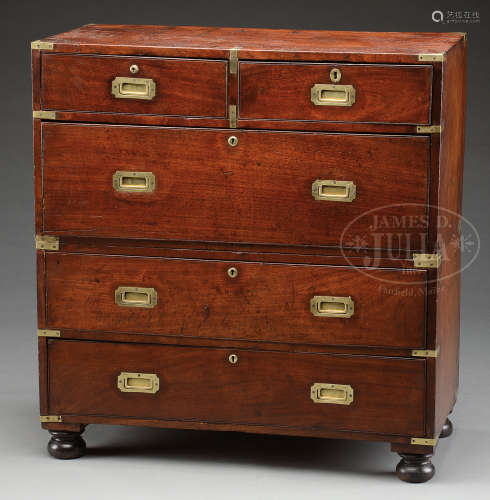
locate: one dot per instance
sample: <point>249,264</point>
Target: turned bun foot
<point>415,468</point>
<point>66,445</point>
<point>447,429</point>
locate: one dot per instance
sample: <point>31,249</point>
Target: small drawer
<point>236,300</point>
<point>304,391</point>
<point>286,188</point>
<point>148,85</point>
<point>336,92</point>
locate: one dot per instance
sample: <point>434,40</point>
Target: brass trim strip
<point>44,115</point>
<point>429,129</point>
<point>47,242</point>
<point>233,61</point>
<point>51,418</point>
<point>426,260</point>
<point>426,353</point>
<point>424,441</point>
<point>48,333</point>
<point>232,115</point>
<point>38,45</point>
<point>430,57</point>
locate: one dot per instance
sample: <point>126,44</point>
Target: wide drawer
<point>162,86</point>
<point>377,395</point>
<point>191,184</point>
<point>336,92</point>
<point>236,300</point>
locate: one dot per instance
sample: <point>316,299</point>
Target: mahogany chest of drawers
<point>239,229</point>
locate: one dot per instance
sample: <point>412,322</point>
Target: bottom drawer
<point>386,395</point>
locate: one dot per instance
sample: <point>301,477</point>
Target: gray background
<point>133,463</point>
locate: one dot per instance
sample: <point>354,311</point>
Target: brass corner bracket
<point>44,115</point>
<point>51,418</point>
<point>47,242</point>
<point>426,353</point>
<point>426,260</point>
<point>48,333</point>
<point>38,45</point>
<point>429,129</point>
<point>424,441</point>
<point>233,61</point>
<point>430,57</point>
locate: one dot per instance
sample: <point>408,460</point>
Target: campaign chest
<point>239,229</point>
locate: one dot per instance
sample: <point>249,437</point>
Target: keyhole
<point>233,359</point>
<point>233,272</point>
<point>232,140</point>
<point>134,68</point>
<point>335,75</point>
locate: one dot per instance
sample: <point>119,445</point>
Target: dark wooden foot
<point>447,429</point>
<point>66,445</point>
<point>415,468</point>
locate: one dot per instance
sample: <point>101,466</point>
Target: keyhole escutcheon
<point>232,272</point>
<point>335,75</point>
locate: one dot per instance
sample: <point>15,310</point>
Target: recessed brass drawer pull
<point>332,307</point>
<point>332,190</point>
<point>333,95</point>
<point>130,296</point>
<point>133,182</point>
<point>148,383</point>
<point>332,393</point>
<point>133,88</point>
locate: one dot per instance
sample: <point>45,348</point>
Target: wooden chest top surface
<point>253,43</point>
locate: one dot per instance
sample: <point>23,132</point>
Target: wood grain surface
<point>253,43</point>
<point>259,191</point>
<point>183,87</point>
<point>262,388</point>
<point>447,316</point>
<point>384,94</point>
<point>265,302</point>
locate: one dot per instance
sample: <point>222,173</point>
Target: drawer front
<point>261,388</point>
<point>342,92</point>
<point>236,300</point>
<point>262,190</point>
<point>161,86</point>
